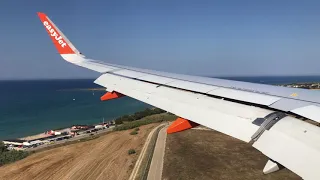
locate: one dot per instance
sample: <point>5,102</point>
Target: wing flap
<point>156,79</point>
<point>245,96</point>
<point>287,105</point>
<point>310,112</point>
<point>192,86</point>
<point>294,144</point>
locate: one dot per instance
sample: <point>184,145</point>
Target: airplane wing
<point>271,118</point>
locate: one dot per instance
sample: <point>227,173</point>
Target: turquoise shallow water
<point>31,107</point>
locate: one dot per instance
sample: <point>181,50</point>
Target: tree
<point>131,151</point>
<point>2,147</point>
<point>7,156</point>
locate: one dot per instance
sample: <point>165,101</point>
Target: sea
<point>29,107</point>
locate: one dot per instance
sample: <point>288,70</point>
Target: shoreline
<point>76,132</point>
<point>305,85</point>
<point>40,135</point>
<point>83,89</point>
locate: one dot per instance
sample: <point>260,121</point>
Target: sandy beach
<point>42,135</point>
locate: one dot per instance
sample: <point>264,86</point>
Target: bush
<point>118,121</point>
<point>133,124</point>
<point>124,118</point>
<point>7,156</point>
<point>91,137</point>
<point>12,156</point>
<point>137,129</point>
<point>138,115</point>
<point>131,151</point>
<point>127,118</point>
<point>2,147</point>
<point>134,132</point>
<point>147,112</point>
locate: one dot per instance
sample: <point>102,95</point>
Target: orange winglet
<point>111,95</point>
<point>56,36</point>
<point>181,124</point>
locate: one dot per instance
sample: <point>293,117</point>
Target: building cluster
<point>52,136</point>
<point>304,85</point>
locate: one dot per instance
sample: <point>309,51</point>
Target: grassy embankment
<point>142,118</point>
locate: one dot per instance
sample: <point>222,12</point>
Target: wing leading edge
<point>246,111</point>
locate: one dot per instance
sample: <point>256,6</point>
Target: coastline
<point>36,136</point>
<point>83,89</point>
<point>78,132</point>
<point>41,135</point>
<point>305,85</point>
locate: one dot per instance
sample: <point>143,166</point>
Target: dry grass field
<point>105,157</point>
<point>201,155</point>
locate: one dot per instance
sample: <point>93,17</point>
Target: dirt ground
<point>103,158</point>
<point>199,154</point>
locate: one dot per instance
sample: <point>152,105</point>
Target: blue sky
<point>216,38</point>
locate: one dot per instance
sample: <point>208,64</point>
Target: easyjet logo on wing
<point>54,34</point>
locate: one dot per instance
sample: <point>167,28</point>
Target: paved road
<point>142,154</point>
<point>155,171</point>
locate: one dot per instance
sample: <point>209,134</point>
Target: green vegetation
<point>144,121</point>
<point>134,132</point>
<point>2,147</point>
<point>131,151</point>
<point>88,138</point>
<point>7,156</point>
<point>138,115</point>
<point>131,125</point>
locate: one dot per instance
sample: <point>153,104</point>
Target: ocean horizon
<point>30,107</point>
